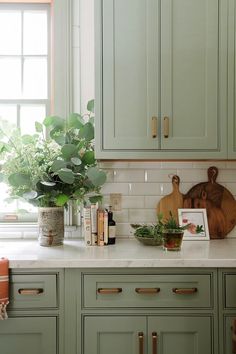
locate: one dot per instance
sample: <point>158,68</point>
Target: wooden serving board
<point>218,201</point>
<point>171,202</point>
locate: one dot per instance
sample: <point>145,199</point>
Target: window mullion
<point>22,57</point>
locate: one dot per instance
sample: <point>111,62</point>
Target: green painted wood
<point>181,334</point>
<point>229,294</point>
<point>231,81</point>
<point>130,73</point>
<point>28,335</point>
<point>113,334</point>
<point>190,74</point>
<point>166,298</point>
<point>227,345</point>
<point>46,299</point>
<point>162,58</point>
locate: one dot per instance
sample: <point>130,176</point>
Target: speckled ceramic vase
<point>51,226</point>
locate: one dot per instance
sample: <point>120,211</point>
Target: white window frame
<point>61,85</point>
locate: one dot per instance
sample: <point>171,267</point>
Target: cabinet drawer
<point>230,290</point>
<point>187,291</point>
<point>33,291</point>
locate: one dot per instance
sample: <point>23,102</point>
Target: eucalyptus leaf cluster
<point>54,165</point>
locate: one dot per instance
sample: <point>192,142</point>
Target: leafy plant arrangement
<point>172,226</point>
<point>50,171</point>
<point>151,232</point>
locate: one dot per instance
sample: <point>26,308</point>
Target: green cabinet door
<point>180,334</point>
<point>129,73</point>
<point>232,81</point>
<point>193,91</point>
<point>28,335</point>
<point>114,334</point>
<point>228,341</point>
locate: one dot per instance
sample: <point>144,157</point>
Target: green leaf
<point>38,127</point>
<point>58,136</point>
<point>90,106</point>
<point>58,165</point>
<point>88,158</point>
<point>97,177</point>
<point>61,199</point>
<point>68,151</point>
<point>66,175</point>
<point>91,120</point>
<point>27,139</point>
<point>87,132</point>
<point>19,179</point>
<point>2,177</point>
<point>76,161</point>
<point>54,122</point>
<point>75,121</point>
<point>30,195</point>
<point>95,198</point>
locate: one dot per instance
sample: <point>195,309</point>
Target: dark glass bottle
<point>111,228</point>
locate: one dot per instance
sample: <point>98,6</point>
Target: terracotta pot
<point>51,226</point>
<point>172,240</point>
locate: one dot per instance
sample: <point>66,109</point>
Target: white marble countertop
<point>126,253</point>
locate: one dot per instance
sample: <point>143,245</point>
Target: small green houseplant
<point>172,234</point>
<point>55,165</point>
<point>149,234</point>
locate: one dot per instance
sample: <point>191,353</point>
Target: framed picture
<point>198,225</point>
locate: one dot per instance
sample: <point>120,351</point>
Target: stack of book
<point>95,226</point>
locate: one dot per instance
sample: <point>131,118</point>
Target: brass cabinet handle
<point>154,127</point>
<point>147,290</point>
<point>26,291</point>
<point>140,342</point>
<point>109,290</point>
<point>166,127</point>
<point>154,342</point>
<point>234,337</point>
<point>184,291</point>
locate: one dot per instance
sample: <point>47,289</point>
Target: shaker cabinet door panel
<point>190,74</point>
<point>113,334</point>
<point>130,73</point>
<point>181,334</point>
<point>28,335</point>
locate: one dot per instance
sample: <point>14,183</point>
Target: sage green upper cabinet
<point>232,81</point>
<point>161,79</point>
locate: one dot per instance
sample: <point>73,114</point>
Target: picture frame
<point>198,220</point>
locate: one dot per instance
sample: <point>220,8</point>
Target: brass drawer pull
<point>147,290</point>
<point>109,290</point>
<point>154,342</point>
<point>26,291</point>
<point>166,127</point>
<point>154,127</point>
<point>184,291</point>
<point>140,342</point>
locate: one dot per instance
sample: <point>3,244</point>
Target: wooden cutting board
<point>218,201</point>
<point>171,202</point>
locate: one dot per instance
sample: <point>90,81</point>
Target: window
<point>29,72</point>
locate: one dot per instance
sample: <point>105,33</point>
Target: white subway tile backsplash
<point>143,183</point>
<point>129,176</point>
<point>160,175</point>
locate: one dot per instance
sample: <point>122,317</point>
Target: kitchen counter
<point>126,253</point>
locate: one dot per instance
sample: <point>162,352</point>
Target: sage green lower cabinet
<point>142,334</point>
<point>35,323</point>
<point>28,335</point>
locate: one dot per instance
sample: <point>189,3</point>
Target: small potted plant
<point>173,234</point>
<point>149,234</point>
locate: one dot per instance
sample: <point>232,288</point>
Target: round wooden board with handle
<point>218,201</point>
<point>171,202</point>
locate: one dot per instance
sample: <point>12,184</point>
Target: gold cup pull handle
<point>166,127</point>
<point>109,290</point>
<point>140,342</point>
<point>184,291</point>
<point>26,291</point>
<point>147,290</point>
<point>154,127</point>
<point>154,342</point>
